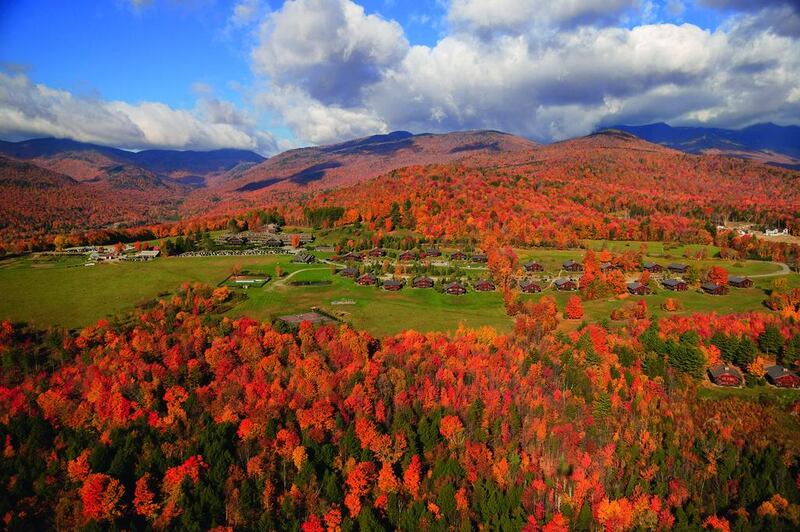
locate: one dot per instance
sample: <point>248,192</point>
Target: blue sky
<point>384,65</point>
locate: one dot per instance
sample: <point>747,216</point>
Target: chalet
<point>676,285</point>
<point>304,258</point>
<point>652,267</point>
<point>740,282</point>
<point>407,256</point>
<point>530,287</point>
<point>367,280</point>
<point>572,266</point>
<point>353,257</point>
<point>677,267</point>
<point>782,377</point>
<point>455,289</point>
<point>458,255</point>
<point>422,282</point>
<point>377,252</point>
<point>393,285</point>
<point>433,252</point>
<point>350,273</point>
<point>565,285</point>
<point>638,289</point>
<point>480,257</point>
<point>713,288</point>
<point>533,266</point>
<point>484,285</point>
<point>606,267</point>
<point>725,375</point>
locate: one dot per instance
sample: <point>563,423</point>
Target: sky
<point>273,75</point>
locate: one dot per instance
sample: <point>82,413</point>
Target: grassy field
<point>62,291</point>
<point>782,396</point>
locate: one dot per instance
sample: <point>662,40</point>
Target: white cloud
<point>245,12</point>
<point>28,109</point>
<point>564,80</point>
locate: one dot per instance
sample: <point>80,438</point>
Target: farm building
<point>353,257</point>
<point>782,377</point>
<point>725,375</point>
<point>572,266</point>
<point>652,267</point>
<point>676,285</point>
<point>393,285</point>
<point>713,288</point>
<point>232,240</point>
<point>533,266</point>
<point>565,285</point>
<point>458,255</point>
<point>740,282</point>
<point>484,285</point>
<point>480,257</point>
<point>422,282</point>
<point>145,255</point>
<point>351,273</point>
<point>273,242</point>
<point>377,252</point>
<point>304,258</point>
<point>530,287</point>
<point>455,289</point>
<point>677,267</point>
<point>433,252</point>
<point>367,280</point>
<point>407,256</point>
<point>638,289</point>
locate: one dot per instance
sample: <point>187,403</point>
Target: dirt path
<point>785,270</point>
<point>282,281</point>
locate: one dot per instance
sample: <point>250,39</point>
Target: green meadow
<point>63,292</point>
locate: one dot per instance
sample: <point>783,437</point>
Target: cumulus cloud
<point>28,109</point>
<point>518,15</point>
<point>329,48</point>
<point>333,76</point>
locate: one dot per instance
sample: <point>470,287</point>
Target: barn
<point>782,377</point>
<point>367,280</point>
<point>455,289</point>
<point>675,285</point>
<point>533,266</point>
<point>530,287</point>
<point>484,285</point>
<point>740,282</point>
<point>565,285</point>
<point>422,282</point>
<point>725,375</point>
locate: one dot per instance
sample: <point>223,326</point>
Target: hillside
<point>360,159</point>
<point>768,143</point>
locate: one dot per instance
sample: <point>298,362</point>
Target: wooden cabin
<point>740,282</point>
<point>606,267</point>
<point>367,280</point>
<point>480,257</point>
<point>433,252</point>
<point>304,258</point>
<point>351,273</point>
<point>377,253</point>
<point>484,285</point>
<point>353,257</point>
<point>533,266</point>
<point>638,289</point>
<point>422,282</point>
<point>676,285</point>
<point>458,255</point>
<point>407,256</point>
<point>455,289</point>
<point>572,266</point>
<point>725,375</point>
<point>677,267</point>
<point>393,285</point>
<point>530,287</point>
<point>713,288</point>
<point>565,285</point>
<point>782,377</point>
<point>652,267</point>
